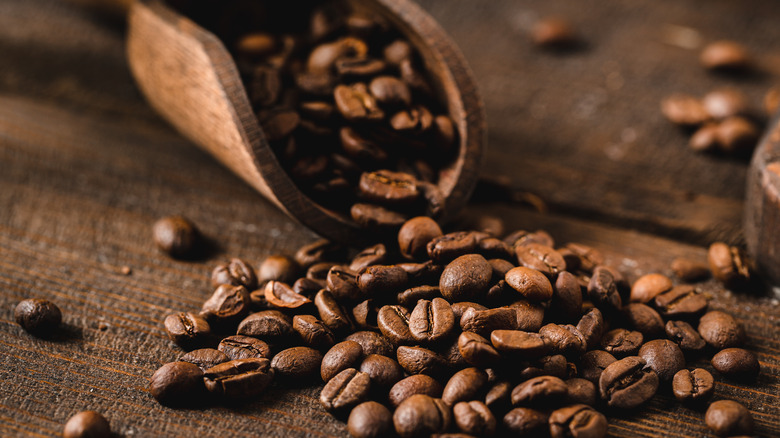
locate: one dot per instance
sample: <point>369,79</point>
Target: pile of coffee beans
<point>460,332</point>
<point>344,102</point>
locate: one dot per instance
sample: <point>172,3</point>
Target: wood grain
<point>87,167</point>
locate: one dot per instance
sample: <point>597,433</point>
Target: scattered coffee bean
<point>187,330</point>
<point>177,384</point>
<point>647,287</point>
<point>577,421</point>
<point>466,278</point>
<point>729,418</point>
<point>346,354</point>
<point>567,297</point>
<point>244,347</point>
<point>319,251</point>
<point>664,357</point>
<point>593,363</point>
<point>418,360</point>
<point>724,103</point>
<point>431,321</point>
<point>204,358</point>
<point>236,273</point>
<point>313,331</point>
<point>38,316</point>
<point>627,383</point>
<point>270,325</point>
<point>278,268</point>
<point>484,322</point>
<point>529,315</point>
<point>239,379</point>
<point>383,371</point>
<point>526,422</point>
<point>228,305</point>
<point>414,236</point>
<point>643,319</point>
<point>516,341</point>
<point>331,313</point>
<point>736,135</point>
<point>421,415</point>
<point>477,350</point>
<point>690,270</point>
<point>297,363</point>
<point>564,339</point>
<point>539,391</point>
<point>372,343</point>
<point>530,283</point>
<point>737,364</point>
<point>721,330</point>
<point>725,55</point>
<point>447,247</point>
<point>382,279</point>
<point>281,296</point>
<point>592,327</point>
<point>684,335</point>
<point>621,342</point>
<point>87,424</point>
<point>682,109</point>
<point>581,391</point>
<point>474,417</point>
<point>464,385</point>
<point>415,384</point>
<point>345,390</point>
<point>681,302</point>
<point>554,33</point>
<point>176,236</point>
<point>541,258</point>
<point>603,290</point>
<point>393,322</point>
<point>728,265</point>
<point>370,420</point>
<point>705,139</point>
<point>693,385</point>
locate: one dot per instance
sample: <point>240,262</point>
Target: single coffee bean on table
<point>177,384</point>
<point>176,236</point>
<point>729,418</point>
<point>87,424</point>
<point>38,316</point>
<point>736,364</point>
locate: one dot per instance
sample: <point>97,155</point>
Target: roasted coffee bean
<point>397,51</point>
<point>239,379</point>
<point>738,134</point>
<point>376,217</point>
<point>227,305</point>
<point>316,252</point>
<point>553,33</point>
<point>370,420</point>
<point>355,103</point>
<point>319,271</point>
<point>331,313</point>
<point>282,296</point>
<point>627,383</point>
<point>344,391</point>
<point>539,391</point>
<point>359,68</point>
<point>411,296</point>
<point>421,415</point>
<point>681,302</point>
<point>685,110</point>
<point>422,273</point>
<point>484,322</point>
<point>554,365</point>
<point>236,273</point>
<point>567,297</point>
<point>499,397</point>
<point>466,384</point>
<point>384,371</point>
<point>593,363</point>
<point>705,139</point>
<point>499,266</point>
<point>603,290</point>
<point>447,247</point>
<point>524,343</point>
<point>725,55</point>
<point>465,278</point>
<point>526,422</point>
<point>621,342</point>
<point>577,421</point>
<point>581,257</point>
<point>729,418</point>
<point>564,339</point>
<point>365,315</point>
<point>382,279</point>
<point>306,287</point>
<point>342,283</point>
<point>87,424</point>
<point>458,309</point>
<point>388,90</point>
<point>176,236</point>
<point>592,327</point>
<point>477,350</point>
<point>37,316</point>
<point>415,384</point>
<point>177,384</point>
<point>474,417</point>
<point>737,364</point>
<point>297,363</point>
<point>449,350</point>
<point>269,325</point>
<point>415,120</point>
<point>418,360</point>
<point>393,322</point>
<point>373,255</point>
<point>388,188</point>
<point>530,283</point>
<point>413,77</point>
<point>372,343</point>
<point>529,315</point>
<point>360,148</point>
<point>204,358</point>
<point>693,385</point>
<point>541,258</point>
<point>522,237</point>
<point>278,268</point>
<point>278,123</point>
<point>414,236</point>
<point>643,319</point>
<point>497,249</point>
<point>313,331</point>
<point>728,265</point>
<point>721,330</point>
<point>431,321</point>
<point>664,357</point>
<point>647,287</point>
<point>581,391</point>
<point>244,347</point>
<point>685,336</point>
<point>690,270</point>
<point>345,354</point>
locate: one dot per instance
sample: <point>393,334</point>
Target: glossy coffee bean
<point>177,384</point>
<point>382,279</point>
<point>542,258</point>
<point>484,322</point>
<point>581,391</point>
<point>689,270</point>
<point>176,236</point>
<point>414,236</point>
<point>204,358</point>
<point>448,247</point>
<point>695,385</point>
<point>313,332</point>
<point>552,365</point>
<point>297,363</point>
<point>643,319</point>
<point>236,273</point>
<point>721,330</point>
<point>593,363</point>
<point>539,391</point>
<point>526,422</point>
<point>268,325</point>
<point>664,357</point>
<point>278,268</point>
<point>421,415</point>
<point>577,421</point>
<point>477,350</point>
<point>342,283</point>
<point>499,397</point>
<point>628,383</point>
<point>418,360</point>
<point>373,255</point>
<point>239,379</point>
<point>370,420</point>
<point>281,296</point>
<point>516,341</point>
<point>736,364</point>
<point>387,187</point>
<point>331,313</point>
<point>37,316</point>
<point>383,371</point>
<point>648,286</point>
<point>728,264</point>
<point>530,283</point>
<point>345,354</point>
<point>729,418</point>
<point>466,384</point>
<point>227,305</point>
<point>187,330</point>
<point>592,327</point>
<point>684,335</point>
<point>564,339</point>
<point>567,297</point>
<point>87,424</point>
<point>725,55</point>
<point>474,418</point>
<point>603,290</point>
<point>244,347</point>
<point>409,297</point>
<point>684,110</point>
<point>466,278</point>
<point>415,384</point>
<point>345,390</point>
<point>621,342</point>
<point>681,302</point>
<point>430,321</point>
<point>393,322</point>
<point>372,343</point>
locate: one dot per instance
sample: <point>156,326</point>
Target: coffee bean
<point>415,384</point>
<point>320,251</point>
<point>177,384</point>
<point>539,391</point>
<point>382,279</point>
<point>447,247</point>
<point>415,120</point>
<point>464,385</point>
<point>681,302</point>
<point>721,330</point>
<point>593,363</point>
<point>411,296</point>
<point>526,422</point>
<point>530,283</point>
<point>693,385</point>
<point>228,305</point>
<point>204,358</point>
<point>236,273</point>
<point>474,417</point>
<point>270,325</point>
<point>421,415</point>
<point>459,308</point>
<point>484,322</point>
<point>187,330</point>
<point>581,257</point>
<point>342,283</point>
<point>38,316</point>
<point>431,321</point>
<point>359,68</point>
<point>522,237</point>
<point>515,341</point>
<point>682,109</point>
<point>728,418</point>
<point>370,420</point>
<point>388,188</point>
<point>648,286</point>
<point>736,135</point>
<point>728,265</point>
<point>592,327</point>
<point>577,421</point>
<point>499,397</point>
<point>346,354</point>
<point>627,383</point>
<point>365,314</point>
<point>176,236</point>
<point>421,273</point>
<point>313,331</point>
<point>690,270</point>
<point>737,364</point>
<point>384,371</point>
<point>603,290</point>
<point>373,255</point>
<point>360,148</point>
<point>297,363</point>
<point>621,342</point>
<point>244,347</point>
<point>529,315</point>
<point>331,313</point>
<point>372,343</point>
<point>282,296</point>
<point>414,236</point>
<point>541,258</point>
<point>725,55</point>
<point>477,350</point>
<point>355,103</point>
<point>553,33</point>
<point>306,287</point>
<point>581,391</point>
<point>664,357</point>
<point>685,336</point>
<point>393,322</point>
<point>418,360</point>
<point>87,424</point>
<point>564,339</point>
<point>319,271</point>
<point>376,217</point>
<point>643,319</point>
<point>554,365</point>
<point>705,139</point>
<point>278,268</point>
<point>344,391</point>
<point>388,90</point>
<point>567,297</point>
<point>465,278</point>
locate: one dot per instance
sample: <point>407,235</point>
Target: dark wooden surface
<point>86,167</point>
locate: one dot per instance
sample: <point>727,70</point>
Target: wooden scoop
<point>189,77</point>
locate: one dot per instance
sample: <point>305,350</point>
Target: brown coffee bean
<point>705,139</point>
<point>621,342</point>
<point>382,279</point>
<point>736,135</point>
<point>725,103</point>
<point>474,417</point>
<point>313,331</point>
<point>236,273</point>
<point>244,347</point>
<point>721,330</point>
<point>365,315</point>
<point>421,415</point>
<point>345,354</point>
<point>477,350</point>
<point>515,341</point>
<point>320,251</point>
<point>370,420</point>
<point>319,271</point>
<point>530,283</point>
<point>581,391</point>
<point>280,295</point>
<point>554,365</point>
<point>278,268</point>
<point>204,358</point>
<point>681,302</point>
<point>690,270</point>
<point>297,363</point>
<point>270,325</point>
<point>372,343</point>
<point>411,296</point>
<point>177,384</point>
<point>484,322</point>
<point>553,33</point>
<point>603,290</point>
<point>227,305</point>
<point>256,44</point>
<point>466,278</point>
<point>627,383</point>
<point>593,363</point>
<point>647,287</point>
<point>323,57</point>
<point>682,109</point>
<point>772,101</point>
<point>384,371</point>
<point>176,236</point>
<point>415,120</point>
<point>539,391</point>
<point>393,322</point>
<point>306,287</point>
<point>414,236</point>
<point>344,391</point>
<point>415,384</point>
<point>418,360</point>
<point>397,51</point>
<point>420,273</point>
<point>499,397</point>
<point>567,297</point>
<point>342,283</point>
<point>526,422</point>
<point>447,247</point>
<point>541,258</point>
<point>373,255</point>
<point>737,364</point>
<point>87,424</point>
<point>684,335</point>
<point>359,68</point>
<point>388,188</point>
<point>592,327</point>
<point>564,339</point>
<point>581,257</point>
<point>664,357</point>
<point>522,237</point>
<point>643,319</point>
<point>577,421</point>
<point>466,384</point>
<point>728,264</point>
<point>693,385</point>
<point>729,418</point>
<point>458,309</point>
<point>725,55</point>
<point>376,217</point>
<point>388,90</point>
<point>430,321</point>
<point>38,316</point>
<point>331,313</point>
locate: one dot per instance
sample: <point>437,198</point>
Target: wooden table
<point>86,167</point>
